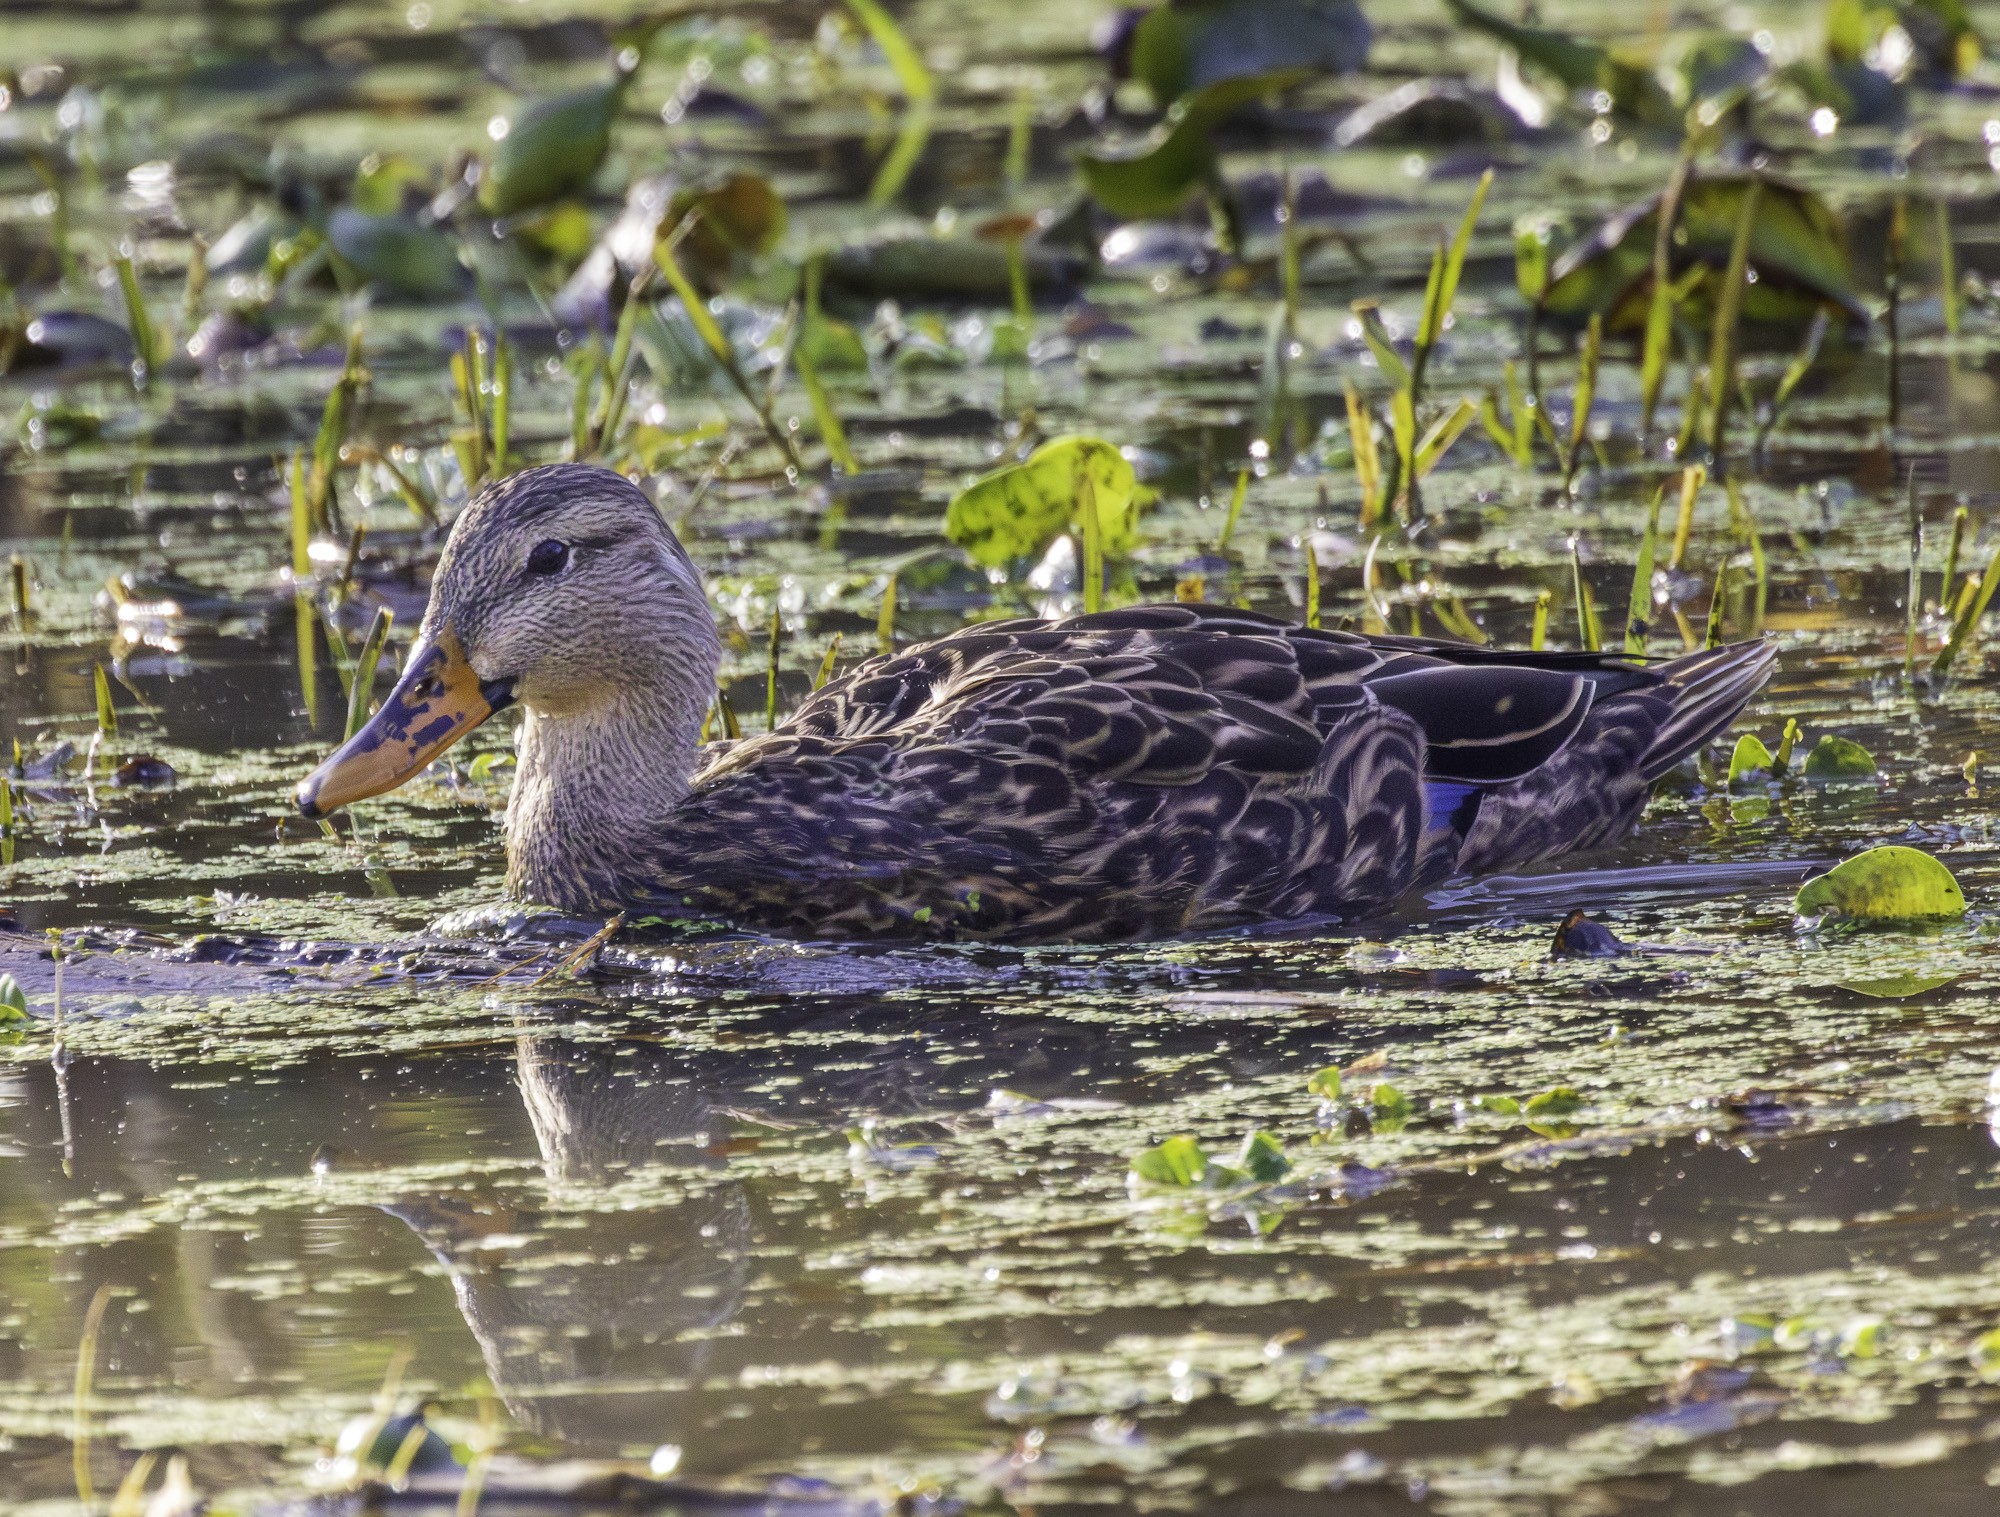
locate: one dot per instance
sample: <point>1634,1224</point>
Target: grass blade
<point>1367,458</point>
<point>1443,432</point>
<point>1093,549</point>
<point>362,686</point>
<point>1312,584</point>
<point>1746,528</point>
<point>831,432</point>
<point>1236,499</point>
<point>826,664</point>
<point>1947,268</point>
<point>86,1373</point>
<point>1538,633</point>
<point>503,402</point>
<point>1692,479</point>
<point>718,344</point>
<point>911,71</point>
<point>1660,314</point>
<point>1967,622</point>
<point>1586,612</point>
<point>107,714</point>
<point>885,620</point>
<point>1381,344</point>
<point>146,340</point>
<point>1444,289</point>
<point>1585,397</point>
<point>1639,610</point>
<point>1728,313</point>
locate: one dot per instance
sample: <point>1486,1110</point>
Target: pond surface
<point>839,1228</point>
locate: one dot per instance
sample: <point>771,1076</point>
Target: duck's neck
<point>592,787</point>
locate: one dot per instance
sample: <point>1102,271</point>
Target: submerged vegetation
<point>1656,1185</point>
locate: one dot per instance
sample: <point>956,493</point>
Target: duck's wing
<point>1172,767</point>
<point>1107,777</point>
<point>1593,789</point>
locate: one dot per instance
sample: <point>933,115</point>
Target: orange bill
<point>437,701</point>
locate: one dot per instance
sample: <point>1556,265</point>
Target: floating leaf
<point>381,182</point>
<point>1750,757</point>
<point>1557,1102</point>
<point>1888,884</point>
<point>550,148</point>
<point>397,254</point>
<point>1016,512</point>
<point>1506,1106</point>
<point>735,221</point>
<point>1262,1157</point>
<point>13,999</point>
<point>1155,178</point>
<point>1389,1103</point>
<point>1632,87</point>
<point>1180,1161</point>
<point>906,268</point>
<point>1325,1083</point>
<point>1182,46</point>
<point>1796,250</point>
<point>1984,1355</point>
<point>1839,758</point>
<point>1898,987</point>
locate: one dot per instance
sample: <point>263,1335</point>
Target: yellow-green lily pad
<point>1889,884</point>
<point>1898,987</point>
<point>1018,511</point>
<point>1839,758</point>
<point>1750,757</point>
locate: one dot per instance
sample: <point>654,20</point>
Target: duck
<point>1151,771</point>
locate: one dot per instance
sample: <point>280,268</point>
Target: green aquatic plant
<point>1631,85</point>
<point>1838,758</point>
<point>913,77</point>
<point>1156,176</point>
<point>151,346</point>
<point>1796,247</point>
<point>1080,484</point>
<point>1181,1163</point>
<point>1183,45</point>
<point>1887,884</point>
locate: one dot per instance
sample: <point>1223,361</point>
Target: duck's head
<point>561,589</point>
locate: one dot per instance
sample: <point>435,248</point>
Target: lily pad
<point>1580,65</point>
<point>397,254</point>
<point>1797,252</point>
<point>1155,178</point>
<point>1839,758</point>
<point>551,148</point>
<point>1888,884</point>
<point>1016,512</point>
<point>1185,46</point>
<point>1180,1161</point>
<point>737,220</point>
<point>1750,757</point>
<point>1262,1157</point>
<point>909,268</point>
<point>1898,987</point>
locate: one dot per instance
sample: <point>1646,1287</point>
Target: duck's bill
<point>437,701</point>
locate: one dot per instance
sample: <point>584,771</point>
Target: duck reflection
<point>593,1311</point>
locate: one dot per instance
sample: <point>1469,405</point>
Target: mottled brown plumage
<point>1159,770</point>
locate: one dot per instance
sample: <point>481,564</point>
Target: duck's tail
<point>1708,689</point>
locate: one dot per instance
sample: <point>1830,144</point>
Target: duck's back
<point>1160,770</point>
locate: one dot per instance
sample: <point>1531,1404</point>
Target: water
<point>860,1220</point>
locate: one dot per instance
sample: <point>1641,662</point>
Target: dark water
<point>863,1218</point>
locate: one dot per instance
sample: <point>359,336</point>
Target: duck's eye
<point>549,557</point>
